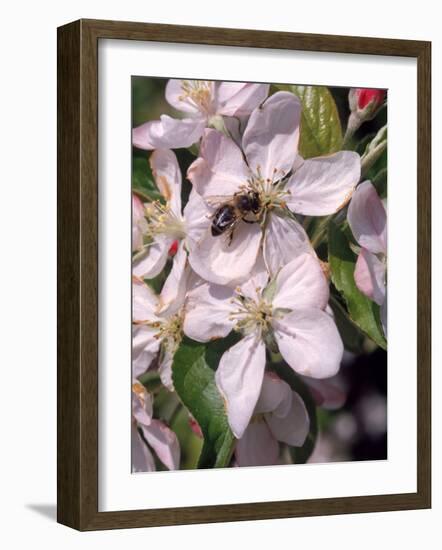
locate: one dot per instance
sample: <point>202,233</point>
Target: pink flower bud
<point>173,248</point>
<point>369,95</point>
<point>365,102</point>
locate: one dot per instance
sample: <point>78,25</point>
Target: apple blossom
<point>279,416</point>
<point>289,311</point>
<point>205,103</point>
<point>164,225</point>
<point>368,221</point>
<point>268,166</point>
<point>156,434</point>
<point>157,320</point>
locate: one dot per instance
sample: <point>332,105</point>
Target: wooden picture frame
<point>78,274</point>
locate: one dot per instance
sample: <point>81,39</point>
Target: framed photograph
<point>225,349</point>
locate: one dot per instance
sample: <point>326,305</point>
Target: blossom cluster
<point>236,257</point>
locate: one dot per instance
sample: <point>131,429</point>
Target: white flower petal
<point>144,301</point>
<point>258,279</point>
<point>284,240</point>
<point>220,169</point>
<point>176,97</point>
<point>368,219</point>
<point>220,261</point>
<point>150,263</point>
<point>168,133</point>
<point>144,348</point>
<point>239,379</point>
<point>321,186</point>
<point>197,219</point>
<point>165,366</point>
<point>301,283</point>
<point>174,289</point>
<point>167,174</point>
<point>142,459</point>
<point>139,224</point>
<point>275,396</point>
<point>164,442</point>
<point>292,428</point>
<point>239,99</point>
<point>270,141</point>
<point>257,447</point>
<point>142,408</point>
<point>207,313</point>
<point>370,276</point>
<point>310,343</point>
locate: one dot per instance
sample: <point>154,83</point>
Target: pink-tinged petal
<point>275,396</point>
<point>168,133</point>
<point>310,343</point>
<point>167,174</point>
<point>284,240</point>
<point>370,276</point>
<point>197,218</point>
<point>221,261</point>
<point>139,224</point>
<point>144,348</point>
<point>142,409</point>
<point>176,97</point>
<point>270,141</point>
<point>165,366</point>
<point>292,428</point>
<point>224,91</point>
<point>239,380</point>
<point>235,99</point>
<point>164,442</point>
<point>151,261</point>
<point>220,170</point>
<point>367,218</point>
<point>323,185</point>
<point>384,315</point>
<point>326,393</point>
<point>257,447</point>
<point>207,313</point>
<point>257,281</point>
<point>301,284</point>
<point>174,289</point>
<point>142,459</point>
<point>144,302</point>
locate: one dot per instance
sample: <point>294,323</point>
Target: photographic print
<point>259,274</point>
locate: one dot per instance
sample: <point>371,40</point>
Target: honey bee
<point>243,206</point>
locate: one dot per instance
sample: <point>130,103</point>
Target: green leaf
<point>194,380</point>
<point>351,336</point>
<point>300,455</point>
<point>362,311</point>
<point>142,180</point>
<point>321,132</point>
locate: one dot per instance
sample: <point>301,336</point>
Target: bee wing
<point>216,201</point>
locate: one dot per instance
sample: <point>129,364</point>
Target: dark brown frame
<point>78,270</point>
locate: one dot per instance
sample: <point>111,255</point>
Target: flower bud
<point>365,102</point>
<point>173,248</point>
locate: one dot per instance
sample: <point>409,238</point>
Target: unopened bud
<point>173,248</point>
<point>364,104</point>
